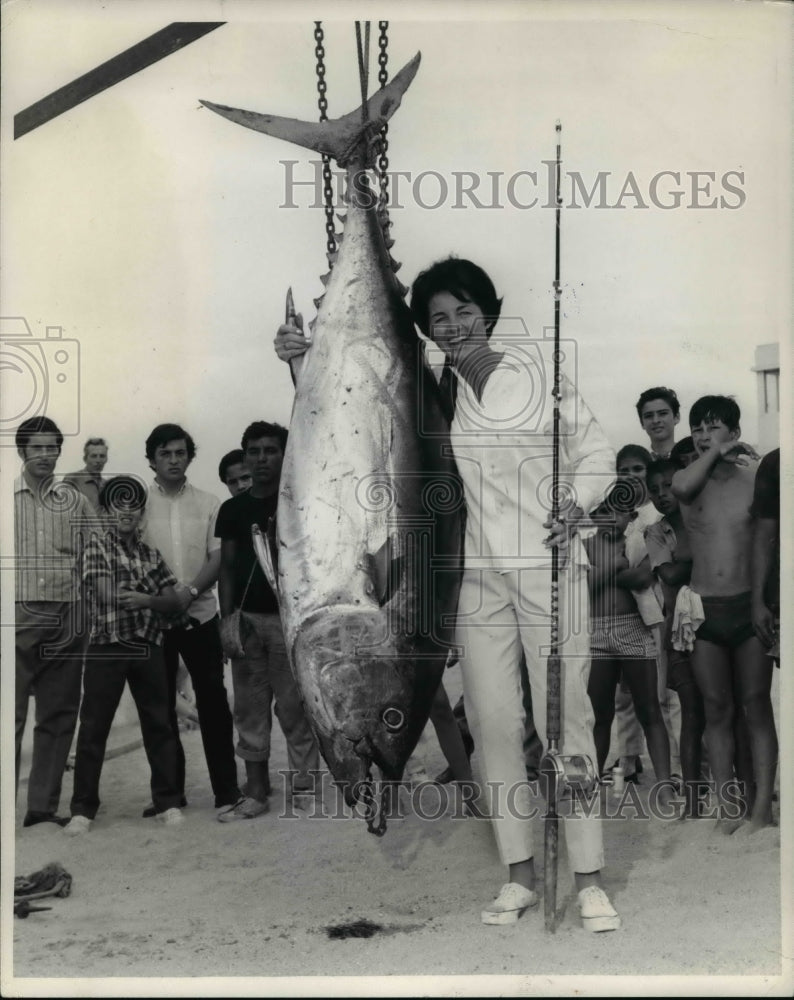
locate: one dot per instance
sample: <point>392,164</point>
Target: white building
<point>767,369</point>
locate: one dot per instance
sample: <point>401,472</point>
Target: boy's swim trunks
<point>728,620</point>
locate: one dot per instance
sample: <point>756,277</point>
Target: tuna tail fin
<point>340,138</point>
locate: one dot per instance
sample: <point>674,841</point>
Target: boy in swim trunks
<point>671,560</point>
<point>715,493</point>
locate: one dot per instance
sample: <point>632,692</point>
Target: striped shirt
<point>47,524</point>
<point>182,527</point>
<point>107,560</point>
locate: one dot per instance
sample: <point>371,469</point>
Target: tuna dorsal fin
<point>385,570</point>
<point>338,137</point>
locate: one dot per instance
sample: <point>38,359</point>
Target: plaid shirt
<point>107,560</point>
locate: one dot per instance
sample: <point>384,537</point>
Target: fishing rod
<point>553,666</point>
<point>559,772</point>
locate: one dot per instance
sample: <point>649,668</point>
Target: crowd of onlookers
<point>116,585</point>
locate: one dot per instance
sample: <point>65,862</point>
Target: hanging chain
<point>383,78</point>
<point>322,104</point>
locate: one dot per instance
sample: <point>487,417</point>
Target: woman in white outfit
<point>501,434</point>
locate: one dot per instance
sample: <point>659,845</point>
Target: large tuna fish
<point>370,507</point>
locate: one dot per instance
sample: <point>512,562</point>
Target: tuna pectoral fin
<point>338,137</point>
<point>385,570</point>
<point>264,547</point>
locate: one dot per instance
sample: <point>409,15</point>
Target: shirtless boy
<point>731,670</point>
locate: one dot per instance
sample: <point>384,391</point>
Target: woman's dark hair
<point>463,279</point>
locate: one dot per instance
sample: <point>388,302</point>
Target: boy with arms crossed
<point>131,590</point>
<point>621,643</point>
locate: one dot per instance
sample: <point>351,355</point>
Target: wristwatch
<point>193,592</point>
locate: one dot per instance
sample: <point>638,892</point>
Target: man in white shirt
<point>180,522</point>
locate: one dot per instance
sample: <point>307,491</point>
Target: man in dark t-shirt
<point>253,638</point>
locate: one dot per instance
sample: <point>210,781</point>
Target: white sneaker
<point>77,825</point>
<point>171,817</point>
<point>597,913</point>
<point>508,906</point>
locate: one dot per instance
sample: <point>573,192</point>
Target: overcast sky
<point>154,233</point>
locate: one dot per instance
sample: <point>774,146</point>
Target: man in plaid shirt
<point>130,589</point>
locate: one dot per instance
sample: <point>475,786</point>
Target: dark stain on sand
<point>364,928</point>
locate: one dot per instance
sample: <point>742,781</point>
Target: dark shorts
<point>679,669</point>
<point>728,620</point>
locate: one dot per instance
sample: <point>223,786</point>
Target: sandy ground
<point>255,899</point>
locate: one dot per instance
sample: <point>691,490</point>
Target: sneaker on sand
<point>171,817</point>
<point>508,906</point>
<point>77,825</point>
<point>245,808</point>
<point>597,913</point>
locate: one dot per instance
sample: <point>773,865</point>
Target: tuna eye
<point>393,719</point>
